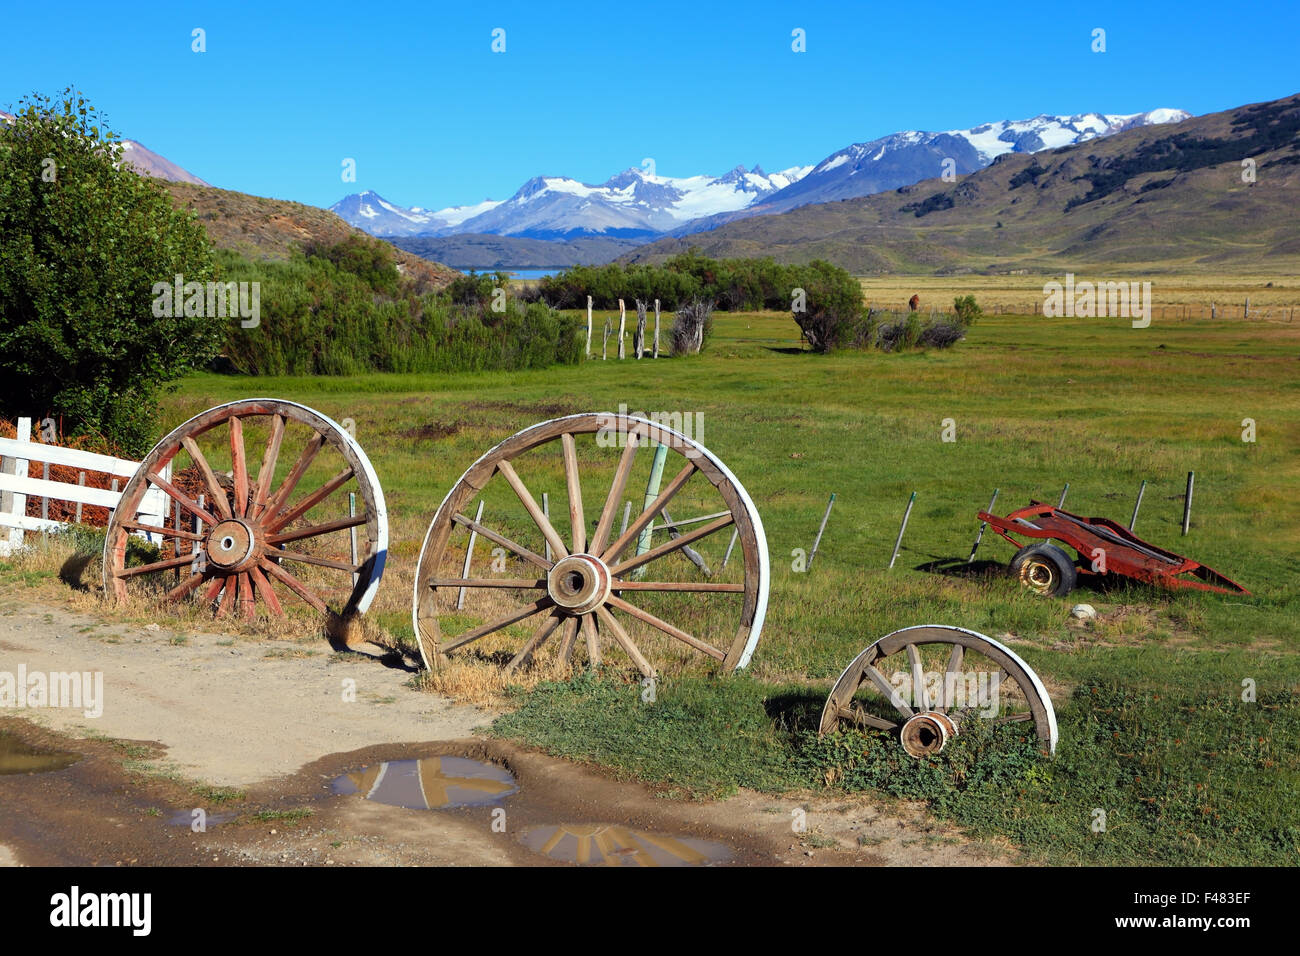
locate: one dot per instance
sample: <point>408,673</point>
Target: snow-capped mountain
<point>632,203</point>
<point>636,204</point>
<point>903,159</point>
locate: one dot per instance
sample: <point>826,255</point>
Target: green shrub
<point>967,310</point>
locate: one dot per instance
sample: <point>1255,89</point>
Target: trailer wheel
<point>1044,569</point>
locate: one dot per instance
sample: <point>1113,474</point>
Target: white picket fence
<point>17,455</point>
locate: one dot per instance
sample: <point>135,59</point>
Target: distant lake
<point>532,273</point>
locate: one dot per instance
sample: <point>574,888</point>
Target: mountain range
<point>1214,192</point>
<point>636,205</point>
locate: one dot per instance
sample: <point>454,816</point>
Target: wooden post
<point>818,540</point>
<point>651,493</point>
<point>604,346</point>
<point>15,503</point>
<point>1137,504</point>
<point>1214,310</point>
<point>1246,311</point>
<point>81,480</point>
<point>638,340</point>
<point>1187,502</point>
<point>656,352</point>
<point>45,499</point>
<point>469,554</point>
<point>622,329</point>
<point>901,528</point>
<point>979,537</point>
<point>588,326</point>
<point>1059,504</point>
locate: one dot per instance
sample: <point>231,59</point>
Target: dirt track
<point>270,719</point>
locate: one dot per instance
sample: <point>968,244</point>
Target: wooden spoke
<point>313,530</point>
<point>615,497</point>
<point>919,691</point>
<point>889,690</point>
<point>624,641</point>
<point>533,643</point>
<point>648,515</point>
<point>214,589</point>
<point>311,501</point>
<point>246,602</point>
<point>165,532</point>
<point>668,547</point>
<point>558,547</point>
<point>265,591</point>
<point>319,562</point>
<point>541,604</point>
<point>215,491</point>
<point>191,506</point>
<point>517,583</point>
<point>185,588</point>
<point>669,629</point>
<point>857,715</point>
<point>569,638</point>
<point>227,597</point>
<point>300,467</point>
<point>623,584</point>
<point>502,540</point>
<point>163,565</point>
<point>293,584</point>
<point>592,635</point>
<point>955,659</point>
<point>577,520</point>
<point>265,473</point>
<point>239,465</point>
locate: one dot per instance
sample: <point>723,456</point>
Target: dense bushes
<point>331,312</point>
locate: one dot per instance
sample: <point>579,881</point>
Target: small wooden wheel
<point>236,546</point>
<point>923,683</point>
<point>536,581</point>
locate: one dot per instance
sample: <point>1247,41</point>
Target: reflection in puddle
<point>433,783</point>
<point>19,757</point>
<point>187,818</point>
<point>607,845</point>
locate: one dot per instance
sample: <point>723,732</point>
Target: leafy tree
<point>83,240</point>
<point>967,310</point>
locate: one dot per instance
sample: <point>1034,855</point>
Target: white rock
<point>1084,612</point>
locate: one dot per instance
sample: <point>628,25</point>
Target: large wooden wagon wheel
<point>621,566</point>
<point>274,538</point>
<point>923,683</point>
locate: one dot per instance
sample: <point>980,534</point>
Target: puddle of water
<point>601,844</point>
<point>19,757</point>
<point>434,783</point>
<point>186,818</point>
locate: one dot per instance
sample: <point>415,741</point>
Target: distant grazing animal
<point>914,302</point>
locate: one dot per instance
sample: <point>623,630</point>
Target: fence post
<point>17,503</point>
<point>901,528</point>
<point>588,326</point>
<point>656,352</point>
<point>622,329</point>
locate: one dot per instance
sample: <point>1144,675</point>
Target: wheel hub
<point>927,733</point>
<point>1038,576</point>
<point>579,583</point>
<point>231,545</point>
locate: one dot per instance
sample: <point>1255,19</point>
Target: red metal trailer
<point>1103,546</point>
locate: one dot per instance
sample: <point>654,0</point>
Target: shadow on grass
<point>795,712</point>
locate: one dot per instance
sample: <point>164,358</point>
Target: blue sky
<point>433,117</point>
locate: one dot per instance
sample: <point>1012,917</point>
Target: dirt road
<point>253,731</point>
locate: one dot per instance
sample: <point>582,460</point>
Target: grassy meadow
<point>1154,730</point>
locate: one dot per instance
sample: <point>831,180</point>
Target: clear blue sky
<point>414,93</point>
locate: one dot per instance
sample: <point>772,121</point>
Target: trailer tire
<point>1045,569</point>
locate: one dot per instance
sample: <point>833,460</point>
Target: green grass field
<point>1153,727</point>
